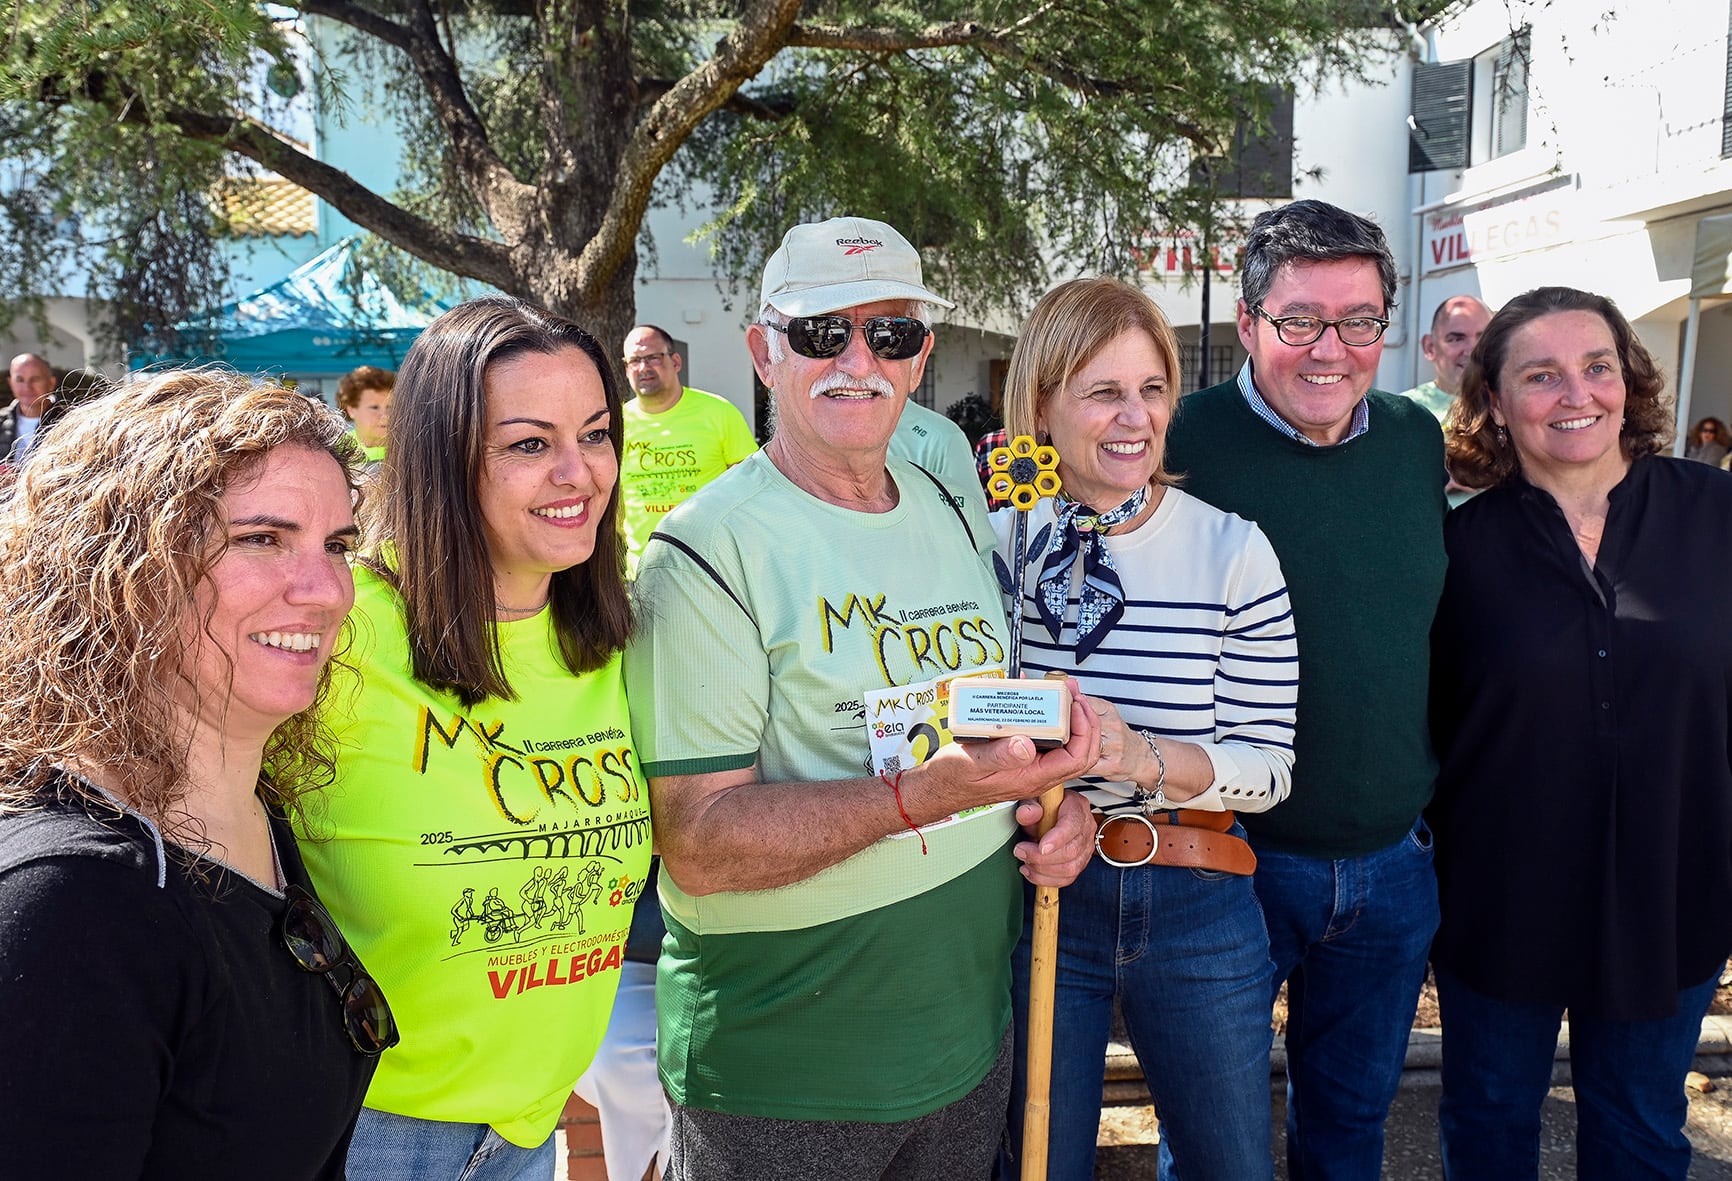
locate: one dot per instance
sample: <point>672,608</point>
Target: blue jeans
<point>1186,953</point>
<point>390,1147</point>
<point>1350,938</point>
<point>1629,1084</point>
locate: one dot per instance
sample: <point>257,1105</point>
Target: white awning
<point>1711,274</point>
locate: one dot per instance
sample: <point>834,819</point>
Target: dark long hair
<point>429,538</point>
<point>1481,456</point>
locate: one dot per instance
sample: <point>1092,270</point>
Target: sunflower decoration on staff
<point>1024,474</point>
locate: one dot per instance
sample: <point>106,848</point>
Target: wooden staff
<point>1025,474</point>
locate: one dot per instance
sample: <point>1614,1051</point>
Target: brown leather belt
<point>1183,837</point>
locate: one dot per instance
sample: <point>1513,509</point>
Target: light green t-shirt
<point>483,863</point>
<point>1433,397</point>
<point>671,455</point>
<point>766,616</point>
<point>931,440</point>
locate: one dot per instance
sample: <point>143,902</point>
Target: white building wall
<point>69,343</point>
<point>1623,159</point>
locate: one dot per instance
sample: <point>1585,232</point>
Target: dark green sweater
<point>1359,531</point>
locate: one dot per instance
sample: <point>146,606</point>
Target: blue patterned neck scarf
<point>1102,601</point>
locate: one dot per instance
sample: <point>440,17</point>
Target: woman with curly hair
<point>174,566</point>
<point>1708,443</point>
<point>488,831</point>
<point>1582,698</point>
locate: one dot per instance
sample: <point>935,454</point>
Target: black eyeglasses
<point>891,338</point>
<point>645,359</point>
<point>1357,331</point>
<point>311,936</point>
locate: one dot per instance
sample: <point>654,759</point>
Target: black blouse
<point>1584,807</point>
<point>155,1025</point>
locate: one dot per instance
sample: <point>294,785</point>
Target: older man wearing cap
<point>834,991</point>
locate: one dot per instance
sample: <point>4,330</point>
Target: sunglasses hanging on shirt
<point>311,936</point>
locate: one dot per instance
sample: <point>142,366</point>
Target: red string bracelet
<point>895,785</point>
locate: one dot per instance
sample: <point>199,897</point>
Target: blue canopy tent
<point>324,318</point>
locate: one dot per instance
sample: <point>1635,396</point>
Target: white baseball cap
<point>841,263</point>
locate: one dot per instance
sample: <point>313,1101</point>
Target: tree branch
<point>759,35</point>
<point>463,254</point>
<point>362,20</point>
<point>506,200</point>
<point>993,43</point>
<point>651,89</point>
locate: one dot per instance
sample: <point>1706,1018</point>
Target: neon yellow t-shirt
<point>671,455</point>
<point>483,863</point>
<point>370,454</point>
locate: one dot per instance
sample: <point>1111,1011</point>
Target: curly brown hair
<point>104,539</point>
<point>1480,453</point>
<point>356,382</point>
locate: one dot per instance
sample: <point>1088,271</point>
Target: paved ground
<point>1127,1150</point>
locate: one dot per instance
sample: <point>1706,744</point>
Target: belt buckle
<point>1154,840</point>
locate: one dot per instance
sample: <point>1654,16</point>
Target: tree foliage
<point>1004,138</point>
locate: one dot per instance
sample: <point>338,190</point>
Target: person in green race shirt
<point>677,439</point>
<point>364,397</point>
<point>834,988</point>
<point>488,830</point>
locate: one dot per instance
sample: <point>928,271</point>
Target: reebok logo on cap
<point>842,263</point>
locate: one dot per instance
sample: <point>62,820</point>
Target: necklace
<point>503,609</point>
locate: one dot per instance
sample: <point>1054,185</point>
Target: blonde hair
<point>107,533</point>
<point>1069,325</point>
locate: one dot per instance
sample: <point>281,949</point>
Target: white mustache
<point>876,382</point>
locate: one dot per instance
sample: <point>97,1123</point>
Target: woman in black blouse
<point>1582,663</point>
<point>174,574</point>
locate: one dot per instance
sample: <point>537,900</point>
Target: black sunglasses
<point>891,338</point>
<point>311,936</point>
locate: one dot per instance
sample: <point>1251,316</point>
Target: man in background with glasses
<point>1347,482</point>
<point>677,439</point>
<point>841,890</point>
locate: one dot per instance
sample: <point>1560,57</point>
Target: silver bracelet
<point>1158,797</point>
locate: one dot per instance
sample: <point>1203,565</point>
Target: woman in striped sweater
<point>1174,617</point>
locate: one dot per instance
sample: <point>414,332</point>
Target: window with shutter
<point>1509,89</point>
<point>1439,121</point>
<point>1260,162</point>
<point>1726,116</point>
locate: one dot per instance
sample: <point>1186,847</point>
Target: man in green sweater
<point>1347,482</point>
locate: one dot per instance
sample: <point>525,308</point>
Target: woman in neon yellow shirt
<point>488,830</point>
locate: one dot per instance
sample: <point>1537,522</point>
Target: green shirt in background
<point>1433,397</point>
<point>928,439</point>
<point>878,989</point>
<point>483,862</point>
<point>1358,528</point>
<point>671,455</point>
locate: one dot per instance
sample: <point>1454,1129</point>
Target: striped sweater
<point>1205,652</point>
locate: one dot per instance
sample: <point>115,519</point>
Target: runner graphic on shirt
<point>554,898</point>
